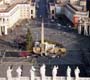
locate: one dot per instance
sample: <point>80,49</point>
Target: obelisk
<point>42,33</point>
<point>42,38</point>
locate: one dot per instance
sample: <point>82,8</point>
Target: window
<point>52,11</point>
<point>31,11</point>
<point>31,17</point>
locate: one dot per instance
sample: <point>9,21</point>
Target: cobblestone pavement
<point>7,41</point>
<point>73,42</point>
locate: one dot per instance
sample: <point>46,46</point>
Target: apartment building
<point>10,14</point>
<point>73,10</point>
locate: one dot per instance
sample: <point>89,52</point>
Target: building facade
<point>52,11</point>
<point>14,13</point>
<point>74,13</point>
<point>72,9</point>
<point>84,26</point>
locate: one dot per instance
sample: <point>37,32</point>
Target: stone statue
<point>77,71</point>
<point>68,72</point>
<point>19,71</point>
<point>32,72</point>
<point>42,72</point>
<point>85,28</point>
<point>54,72</point>
<point>9,75</point>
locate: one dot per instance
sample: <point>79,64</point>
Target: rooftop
<point>0,0</point>
<point>7,7</point>
<point>3,7</point>
<point>75,8</point>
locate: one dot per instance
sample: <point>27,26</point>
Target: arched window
<point>31,11</point>
<point>52,11</point>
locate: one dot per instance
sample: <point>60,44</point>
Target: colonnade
<point>84,27</point>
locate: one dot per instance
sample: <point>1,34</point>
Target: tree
<point>29,41</point>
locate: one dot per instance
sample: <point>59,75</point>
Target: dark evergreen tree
<point>29,41</point>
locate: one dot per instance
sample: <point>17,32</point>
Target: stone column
<point>6,30</point>
<point>0,31</point>
<point>85,30</point>
<point>79,29</point>
<point>0,27</point>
